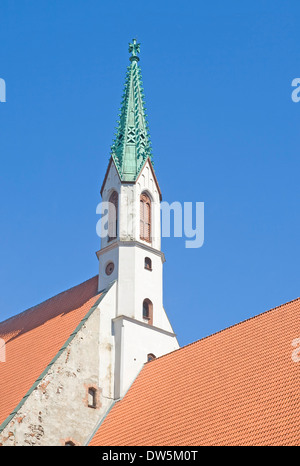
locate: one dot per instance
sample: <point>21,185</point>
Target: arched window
<point>150,357</point>
<point>145,217</point>
<point>69,442</point>
<point>148,311</point>
<point>148,263</point>
<point>113,216</point>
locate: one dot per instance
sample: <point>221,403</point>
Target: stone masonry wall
<point>57,410</point>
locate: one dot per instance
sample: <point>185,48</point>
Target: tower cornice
<point>132,243</point>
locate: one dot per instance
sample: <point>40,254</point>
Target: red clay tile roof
<point>240,386</point>
<point>34,337</point>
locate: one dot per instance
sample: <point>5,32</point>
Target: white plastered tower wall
<point>134,338</point>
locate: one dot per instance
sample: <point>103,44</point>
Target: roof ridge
<point>226,328</point>
<point>45,301</point>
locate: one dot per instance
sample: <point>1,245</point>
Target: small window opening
<point>92,401</point>
<point>148,311</point>
<point>148,263</point>
<point>150,357</point>
<point>69,443</point>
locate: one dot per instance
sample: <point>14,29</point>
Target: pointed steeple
<point>131,146</point>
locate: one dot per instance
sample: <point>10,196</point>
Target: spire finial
<point>134,49</point>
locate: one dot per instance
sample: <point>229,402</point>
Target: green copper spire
<point>131,146</point>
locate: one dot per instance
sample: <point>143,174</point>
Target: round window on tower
<point>109,268</point>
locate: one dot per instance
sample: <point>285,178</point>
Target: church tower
<point>131,252</point>
<point>82,349</point>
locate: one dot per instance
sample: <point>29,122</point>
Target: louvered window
<point>145,217</point>
<point>113,216</point>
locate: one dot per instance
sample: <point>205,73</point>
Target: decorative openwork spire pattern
<point>132,146</point>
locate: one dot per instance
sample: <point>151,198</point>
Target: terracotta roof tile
<point>239,386</point>
<point>35,336</point>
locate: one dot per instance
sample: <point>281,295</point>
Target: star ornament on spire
<point>134,49</point>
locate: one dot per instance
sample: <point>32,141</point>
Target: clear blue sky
<point>225,131</point>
